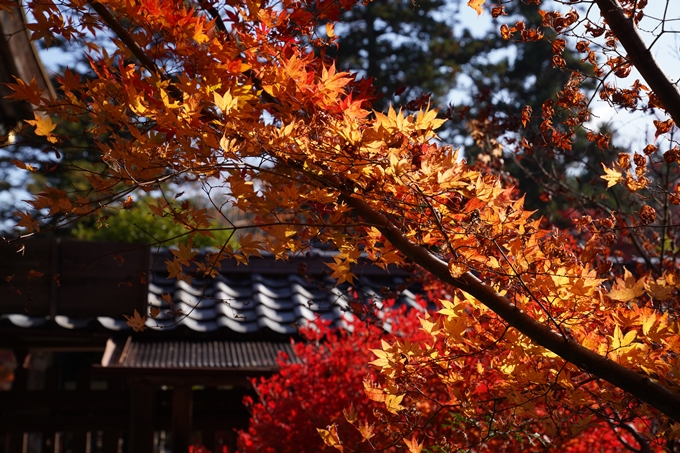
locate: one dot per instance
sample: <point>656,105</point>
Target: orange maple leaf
<point>137,322</point>
<point>34,274</point>
<point>25,92</point>
<point>27,221</point>
<point>413,445</point>
<point>476,5</point>
<point>184,254</point>
<point>43,125</point>
<point>175,270</point>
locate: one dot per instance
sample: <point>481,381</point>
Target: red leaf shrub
<point>312,394</point>
<point>330,378</point>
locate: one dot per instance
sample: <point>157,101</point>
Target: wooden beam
<point>79,441</point>
<point>14,442</point>
<point>111,438</point>
<point>63,423</point>
<point>208,377</point>
<point>140,434</point>
<point>95,401</point>
<point>182,413</point>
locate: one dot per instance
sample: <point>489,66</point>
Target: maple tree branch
<point>638,385</point>
<point>131,44</point>
<point>124,36</point>
<point>639,54</point>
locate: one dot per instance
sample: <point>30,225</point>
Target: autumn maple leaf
<point>137,322</point>
<point>413,445</point>
<point>476,5</point>
<point>27,92</point>
<point>330,437</point>
<point>43,126</point>
<point>27,221</point>
<point>341,271</point>
<point>612,176</point>
<point>184,254</point>
<point>627,288</point>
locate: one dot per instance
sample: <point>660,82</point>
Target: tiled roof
<point>267,297</point>
<point>210,355</point>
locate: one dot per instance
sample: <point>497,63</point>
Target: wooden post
<point>140,436</point>
<point>209,440</point>
<point>111,437</point>
<point>81,438</point>
<point>14,442</point>
<point>79,442</point>
<point>48,441</point>
<point>182,408</point>
<point>20,382</point>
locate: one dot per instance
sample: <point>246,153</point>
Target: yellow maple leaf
<point>457,269</point>
<point>428,120</point>
<point>341,271</point>
<point>199,36</point>
<point>350,414</point>
<point>612,176</point>
<point>330,436</point>
<point>393,403</point>
<point>627,288</point>
<point>330,29</point>
<point>225,103</point>
<point>648,322</point>
<point>476,5</point>
<point>413,445</point>
<point>430,327</point>
<point>659,289</point>
<point>43,126</point>
<point>373,393</point>
<point>366,431</point>
<point>382,360</point>
<point>621,341</point>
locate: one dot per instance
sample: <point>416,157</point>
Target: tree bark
<point>627,33</point>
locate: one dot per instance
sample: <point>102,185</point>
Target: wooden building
<point>19,58</point>
<point>85,382</point>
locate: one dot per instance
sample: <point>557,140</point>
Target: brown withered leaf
<point>34,274</point>
<point>136,321</point>
<point>662,127</point>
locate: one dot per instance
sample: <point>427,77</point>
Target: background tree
<point>135,222</point>
<point>410,49</point>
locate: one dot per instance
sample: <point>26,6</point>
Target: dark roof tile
<point>271,298</point>
<point>196,354</point>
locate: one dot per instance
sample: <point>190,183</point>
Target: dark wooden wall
<point>60,403</point>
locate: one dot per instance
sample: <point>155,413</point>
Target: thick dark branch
<point>124,36</point>
<point>110,20</point>
<point>626,32</point>
<point>638,385</point>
